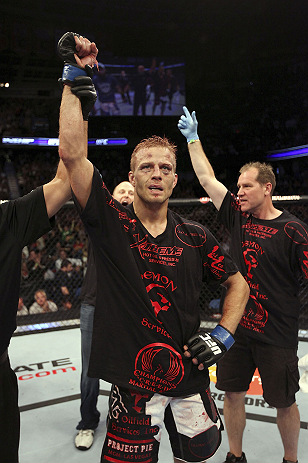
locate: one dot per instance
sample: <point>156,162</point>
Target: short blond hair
<point>153,142</point>
<point>265,173</point>
<point>40,291</point>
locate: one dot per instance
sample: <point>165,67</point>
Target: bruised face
<point>154,174</point>
<point>124,193</point>
<point>251,193</point>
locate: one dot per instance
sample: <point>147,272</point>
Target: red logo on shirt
<point>296,232</point>
<point>161,301</point>
<point>158,368</point>
<point>191,235</point>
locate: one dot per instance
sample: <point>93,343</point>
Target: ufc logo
<point>210,343</point>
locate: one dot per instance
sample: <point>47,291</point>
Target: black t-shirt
<point>88,289</point>
<point>22,221</point>
<point>147,295</point>
<point>271,254</point>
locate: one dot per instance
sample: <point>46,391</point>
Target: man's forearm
<point>235,302</point>
<point>205,173</point>
<point>73,129</point>
<point>200,163</point>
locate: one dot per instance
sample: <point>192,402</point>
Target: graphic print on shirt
<point>130,434</point>
<point>158,368</point>
<point>255,316</point>
<point>297,233</point>
<point>190,234</point>
<point>216,262</point>
<point>122,214</point>
<point>161,294</point>
<point>163,255</point>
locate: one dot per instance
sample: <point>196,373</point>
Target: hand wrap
<point>209,348</point>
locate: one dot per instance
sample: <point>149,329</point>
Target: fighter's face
<point>154,174</point>
<point>124,193</point>
<point>251,193</point>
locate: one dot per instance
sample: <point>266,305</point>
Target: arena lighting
<point>73,323</point>
<point>28,141</point>
<point>289,153</point>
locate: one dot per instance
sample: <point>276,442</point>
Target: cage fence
<point>59,260</point>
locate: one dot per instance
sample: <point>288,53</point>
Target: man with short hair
<point>270,249</point>
<point>89,387</point>
<point>150,265</point>
<point>42,304</point>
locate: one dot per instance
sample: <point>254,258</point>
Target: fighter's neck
<point>153,217</point>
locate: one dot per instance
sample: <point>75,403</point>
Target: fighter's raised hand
<point>78,54</point>
<point>86,51</point>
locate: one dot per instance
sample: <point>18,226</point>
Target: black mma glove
<point>66,50</point>
<point>209,348</point>
<point>84,89</point>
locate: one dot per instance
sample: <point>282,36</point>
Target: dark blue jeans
<point>89,387</point>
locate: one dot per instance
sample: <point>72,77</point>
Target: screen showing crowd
<point>139,87</point>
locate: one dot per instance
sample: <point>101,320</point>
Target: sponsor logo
<point>190,234</point>
<point>150,374</point>
<point>296,232</point>
<point>164,255</point>
<point>217,263</point>
<point>259,231</point>
<point>41,370</point>
<point>250,260</point>
<point>157,290</point>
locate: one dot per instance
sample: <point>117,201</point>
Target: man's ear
<point>131,178</point>
<point>268,188</point>
<point>175,181</point>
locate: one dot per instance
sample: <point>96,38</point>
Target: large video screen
<point>139,87</point>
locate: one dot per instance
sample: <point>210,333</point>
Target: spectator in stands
<point>42,304</point>
<point>76,280</point>
<point>67,233</point>
<point>64,256</point>
<point>36,270</point>
<point>62,295</point>
<point>21,309</point>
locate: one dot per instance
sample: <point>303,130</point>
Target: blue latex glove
<point>188,125</point>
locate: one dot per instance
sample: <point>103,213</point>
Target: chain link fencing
<point>45,267</point>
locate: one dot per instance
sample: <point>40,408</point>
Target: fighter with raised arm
<point>269,246</point>
<point>150,265</point>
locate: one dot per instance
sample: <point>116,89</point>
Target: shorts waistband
<point>3,357</point>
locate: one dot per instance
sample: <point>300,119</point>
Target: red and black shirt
<point>271,255</point>
<point>147,295</point>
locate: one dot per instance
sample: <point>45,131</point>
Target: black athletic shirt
<point>271,254</point>
<point>22,221</point>
<point>88,288</point>
<point>147,295</point>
